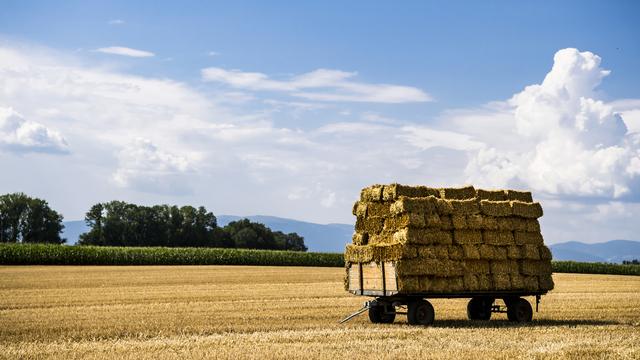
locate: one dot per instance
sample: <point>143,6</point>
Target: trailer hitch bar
<point>366,307</point>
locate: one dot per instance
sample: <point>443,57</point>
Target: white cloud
<point>213,53</point>
<point>115,22</point>
<point>20,135</point>
<point>319,85</point>
<point>142,166</point>
<point>570,142</point>
<point>125,51</point>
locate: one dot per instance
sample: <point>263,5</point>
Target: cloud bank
<point>20,135</point>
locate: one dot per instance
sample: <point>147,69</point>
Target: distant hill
<point>614,251</point>
<point>317,237</point>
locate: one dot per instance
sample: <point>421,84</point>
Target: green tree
<point>28,220</point>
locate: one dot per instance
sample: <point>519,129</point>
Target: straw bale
<point>476,222</point>
<point>485,282</point>
<point>465,207</point>
<point>395,191</point>
<point>467,236</point>
<point>436,267</point>
<point>501,282</point>
<point>470,252</point>
<point>398,222</point>
<point>445,222</point>
<point>535,267</point>
<point>393,252</point>
<point>434,252</point>
<point>409,283</point>
<point>455,284</point>
<point>476,267</point>
<point>545,282</point>
<point>517,282</point>
<point>467,192</point>
<point>524,196</point>
<point>471,282</point>
<point>414,205</point>
<point>497,237</point>
<point>456,252</point>
<point>545,253</point>
<point>514,252</point>
<point>525,237</point>
<point>384,237</point>
<point>381,209</point>
<point>432,220</point>
<point>519,224</point>
<point>490,252</point>
<point>530,283</point>
<point>372,225</point>
<point>438,284</point>
<point>358,253</point>
<point>526,210</point>
<point>530,252</point>
<point>359,209</point>
<point>459,221</point>
<point>492,195</point>
<point>533,225</point>
<point>496,208</point>
<point>360,238</point>
<point>504,267</point>
<point>371,193</point>
<point>444,207</point>
<point>504,223</point>
<point>423,236</point>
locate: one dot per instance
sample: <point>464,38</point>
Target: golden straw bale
<point>432,220</point>
<point>455,284</point>
<point>395,191</point>
<point>523,196</point>
<point>414,205</point>
<point>423,236</point>
<point>476,222</point>
<point>496,208</point>
<point>519,224</point>
<point>459,221</point>
<point>493,195</point>
<point>533,225</point>
<point>526,210</point>
<point>445,222</point>
<point>501,282</point>
<point>476,266</point>
<point>358,253</point>
<point>535,267</point>
<point>384,237</point>
<point>409,284</point>
<point>399,222</point>
<point>517,282</point>
<point>504,223</point>
<point>444,207</point>
<point>545,282</point>
<point>456,252</point>
<point>525,237</point>
<point>530,252</point>
<point>490,252</point>
<point>514,252</point>
<point>465,207</point>
<point>485,282</point>
<point>434,252</point>
<point>504,267</point>
<point>371,193</point>
<point>463,193</point>
<point>497,237</point>
<point>436,267</point>
<point>470,252</point>
<point>381,209</point>
<point>360,238</point>
<point>360,209</point>
<point>545,253</point>
<point>471,282</point>
<point>467,236</point>
<point>530,283</point>
<point>369,225</point>
<point>393,252</point>
<point>439,284</point>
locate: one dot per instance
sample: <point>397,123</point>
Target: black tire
<point>381,314</point>
<point>479,308</point>
<point>519,310</point>
<point>420,312</point>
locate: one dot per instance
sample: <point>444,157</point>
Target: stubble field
<point>156,312</point>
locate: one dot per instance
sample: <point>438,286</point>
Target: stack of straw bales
<point>452,239</point>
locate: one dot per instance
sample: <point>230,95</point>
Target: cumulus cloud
<point>20,135</point>
<point>570,142</point>
<point>146,168</point>
<point>319,85</point>
<point>125,51</point>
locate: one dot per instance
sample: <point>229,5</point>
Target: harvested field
<point>155,312</point>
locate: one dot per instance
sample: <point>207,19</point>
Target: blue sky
<point>288,108</point>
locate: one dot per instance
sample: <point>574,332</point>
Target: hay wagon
<point>413,243</point>
<point>379,280</point>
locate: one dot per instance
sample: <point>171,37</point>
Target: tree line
<point>117,223</point>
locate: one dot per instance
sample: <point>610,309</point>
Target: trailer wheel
<point>382,314</point>
<point>420,312</point>
<point>479,308</point>
<point>519,310</point>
